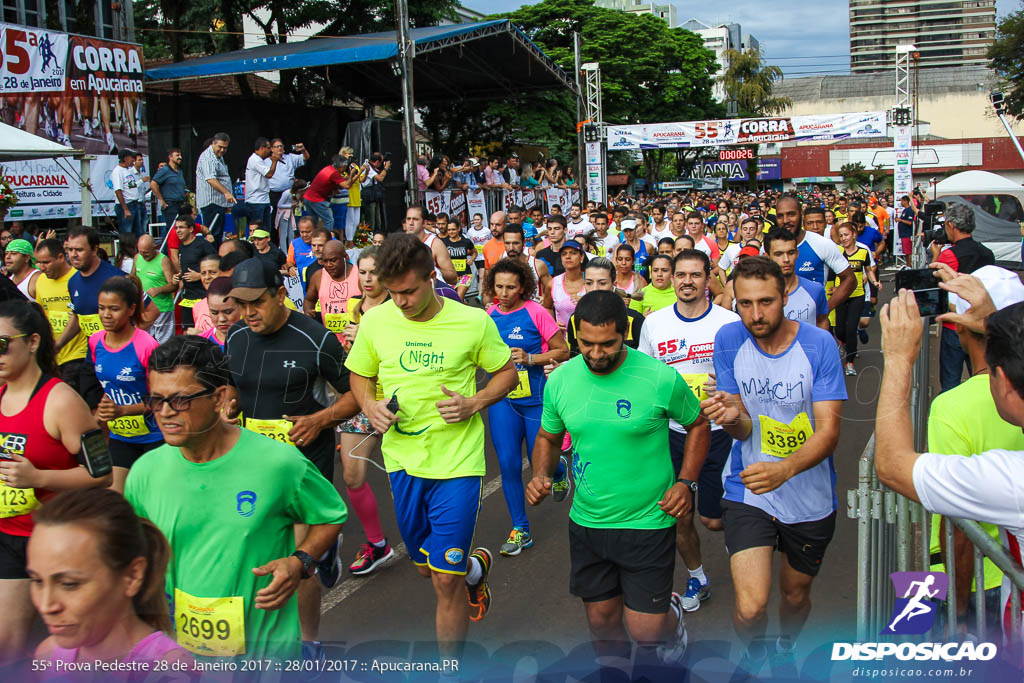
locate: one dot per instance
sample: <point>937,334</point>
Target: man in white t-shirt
<point>683,336</point>
<point>750,229</point>
<point>262,166</point>
<point>284,175</point>
<point>577,225</point>
<point>675,228</point>
<point>986,487</point>
<point>126,183</point>
<point>696,229</point>
<point>604,241</point>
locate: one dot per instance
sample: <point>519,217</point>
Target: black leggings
<point>847,319</point>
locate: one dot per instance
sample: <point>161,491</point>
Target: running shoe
<point>480,594</point>
<point>862,334</point>
<point>328,570</point>
<point>782,662</point>
<point>370,557</point>
<point>695,594</point>
<point>518,540</point>
<point>674,650</point>
<point>111,145</point>
<point>313,651</point>
<point>560,487</point>
<point>850,370</point>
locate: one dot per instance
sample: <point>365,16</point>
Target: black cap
<point>252,277</point>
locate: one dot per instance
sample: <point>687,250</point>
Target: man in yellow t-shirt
<point>53,295</point>
<point>425,352</point>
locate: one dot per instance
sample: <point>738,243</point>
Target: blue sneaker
<point>695,594</point>
<point>328,570</point>
<point>560,487</point>
<point>862,334</point>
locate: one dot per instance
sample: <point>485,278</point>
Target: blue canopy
<point>478,60</point>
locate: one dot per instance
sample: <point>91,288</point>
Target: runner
<point>748,230</point>
<point>357,440</point>
<point>19,259</point>
<point>42,422</point>
<point>599,276</point>
<point>805,299</point>
<point>413,225</point>
<point>300,251</point>
<point>96,537</point>
<point>224,311</point>
<point>280,361</point>
<point>568,288</point>
<point>514,240</point>
<point>604,241</point>
<point>267,250</point>
<point>621,539</point>
<point>535,340</point>
<point>331,287</point>
<point>816,254</point>
<point>683,336</point>
<point>660,293</point>
<point>53,295</point>
<point>190,257</point>
<point>425,352</point>
<point>848,313</point>
<point>156,274</point>
<point>641,250</point>
<point>209,269</point>
<point>493,248</point>
<point>463,254</point>
<point>551,254</point>
<point>229,598</point>
<point>119,354</point>
<point>82,246</point>
<point>780,481</point>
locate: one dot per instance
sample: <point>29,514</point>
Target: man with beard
<point>816,254</point>
<point>514,245</point>
<point>787,430</point>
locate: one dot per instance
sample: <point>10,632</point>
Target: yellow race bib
<point>459,264</point>
<point>16,502</point>
<point>523,390</point>
<point>129,425</point>
<point>188,303</point>
<point>780,439</point>
<point>336,322</point>
<point>272,429</point>
<point>696,383</point>
<point>212,627</point>
<point>480,249</point>
<point>90,324</point>
<point>58,321</point>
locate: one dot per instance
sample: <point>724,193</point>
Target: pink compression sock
<point>365,505</point>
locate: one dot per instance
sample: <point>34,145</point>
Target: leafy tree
<point>1006,55</point>
<point>855,175</point>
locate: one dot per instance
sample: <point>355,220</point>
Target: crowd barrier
<point>464,204</point>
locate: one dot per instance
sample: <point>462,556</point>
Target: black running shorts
<point>804,543</point>
<point>709,482</point>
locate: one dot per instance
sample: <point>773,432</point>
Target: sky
<point>804,37</point>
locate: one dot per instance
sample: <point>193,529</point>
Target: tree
<point>855,175</point>
<point>1006,55</point>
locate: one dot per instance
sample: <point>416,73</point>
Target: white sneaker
<point>110,143</point>
<point>674,650</point>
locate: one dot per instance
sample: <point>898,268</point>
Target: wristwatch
<point>692,485</point>
<point>308,563</point>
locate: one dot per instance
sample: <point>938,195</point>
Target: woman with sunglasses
<point>119,354</point>
<point>44,420</point>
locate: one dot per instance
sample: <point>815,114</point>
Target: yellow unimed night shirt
<point>412,360</point>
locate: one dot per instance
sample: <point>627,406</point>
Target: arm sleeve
<point>206,168</point>
<point>821,301</point>
<point>570,336</point>
<point>944,436</point>
<point>550,420</point>
<point>543,321</point>
<point>983,487</point>
<point>725,359</point>
<point>949,258</point>
<point>835,259</point>
<point>491,351</point>
<point>116,180</point>
<point>314,500</point>
<point>829,383</point>
<point>646,345</point>
<point>161,175</point>
<point>332,364</point>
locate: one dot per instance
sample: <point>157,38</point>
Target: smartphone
<point>931,300</point>
<point>95,454</point>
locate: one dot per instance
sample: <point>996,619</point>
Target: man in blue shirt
<point>168,185</point>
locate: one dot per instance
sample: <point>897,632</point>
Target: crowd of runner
<point>661,360</point>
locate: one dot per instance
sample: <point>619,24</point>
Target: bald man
<point>413,225</point>
<point>156,272</point>
<point>331,287</point>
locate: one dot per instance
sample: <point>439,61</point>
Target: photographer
<point>964,255</point>
<point>373,190</point>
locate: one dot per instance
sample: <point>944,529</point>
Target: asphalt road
<point>534,620</point>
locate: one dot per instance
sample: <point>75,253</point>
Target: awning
<point>16,144</point>
<point>454,62</point>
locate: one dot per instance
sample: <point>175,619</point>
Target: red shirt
<point>326,183</point>
<point>172,236</point>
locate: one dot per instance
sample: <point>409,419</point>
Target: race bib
<point>696,383</point>
<point>480,249</point>
<point>212,627</point>
<point>58,321</point>
<point>89,324</point>
<point>459,264</point>
<point>335,322</point>
<point>272,429</point>
<point>523,390</point>
<point>780,439</point>
<point>128,426</point>
<point>188,303</point>
<point>16,502</point>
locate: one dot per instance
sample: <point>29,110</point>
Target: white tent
<point>17,145</point>
<point>978,182</point>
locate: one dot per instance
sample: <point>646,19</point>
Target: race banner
<point>529,199</point>
<point>293,288</point>
<point>563,198</point>
<point>32,60</point>
<point>510,198</point>
<point>476,203</point>
<point>451,202</point>
<point>717,133</point>
<point>80,92</point>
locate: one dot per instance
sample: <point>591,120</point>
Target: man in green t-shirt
<point>227,500</point>
<point>425,351</point>
<point>616,404</point>
<point>962,421</point>
<point>156,272</point>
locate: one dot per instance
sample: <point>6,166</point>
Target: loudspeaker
<point>384,136</point>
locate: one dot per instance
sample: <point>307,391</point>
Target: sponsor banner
<point>595,172</point>
<point>451,202</point>
<point>49,188</point>
<point>476,203</point>
<point>747,131</point>
<point>529,199</point>
<point>559,197</point>
<point>902,171</point>
<point>32,60</point>
<point>767,169</point>
<point>510,198</point>
<point>293,288</point>
<point>104,67</point>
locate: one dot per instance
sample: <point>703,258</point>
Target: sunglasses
<point>5,342</point>
<point>178,403</point>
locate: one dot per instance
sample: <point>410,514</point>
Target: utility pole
<point>406,52</point>
<point>999,104</point>
<point>902,120</point>
<point>594,134</point>
<point>579,109</point>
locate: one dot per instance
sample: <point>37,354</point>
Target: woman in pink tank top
<point>97,574</point>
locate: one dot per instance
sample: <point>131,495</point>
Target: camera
<point>387,156</point>
<point>932,222</point>
<point>296,149</point>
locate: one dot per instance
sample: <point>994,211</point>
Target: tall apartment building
<point>945,33</point>
<point>666,11</point>
<point>718,39</point>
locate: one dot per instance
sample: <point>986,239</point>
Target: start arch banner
<point>717,133</point>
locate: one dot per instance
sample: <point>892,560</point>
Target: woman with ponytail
<point>41,425</point>
<point>97,580</point>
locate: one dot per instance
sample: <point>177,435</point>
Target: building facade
<point>946,34</point>
<point>720,38</point>
<point>101,20</point>
<point>666,11</point>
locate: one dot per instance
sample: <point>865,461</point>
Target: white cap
<point>628,224</point>
<point>1002,285</point>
